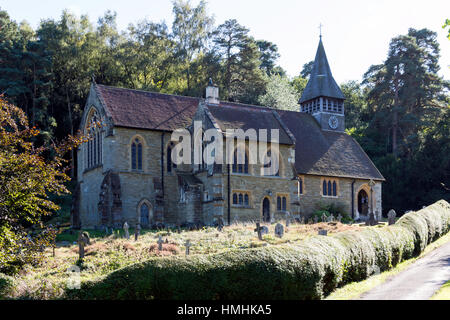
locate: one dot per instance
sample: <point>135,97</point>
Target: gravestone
<point>279,230</point>
<point>391,216</point>
<point>316,219</point>
<point>288,219</point>
<point>302,220</point>
<point>339,218</point>
<point>137,231</point>
<point>330,218</point>
<point>264,230</point>
<point>324,217</point>
<point>188,245</point>
<point>220,224</point>
<point>125,229</point>
<point>160,242</point>
<point>323,232</point>
<point>371,221</point>
<point>258,230</point>
<point>83,240</point>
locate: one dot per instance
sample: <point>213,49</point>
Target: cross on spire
<point>320,28</point>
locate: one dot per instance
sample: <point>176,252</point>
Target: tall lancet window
<point>136,154</point>
<point>93,148</point>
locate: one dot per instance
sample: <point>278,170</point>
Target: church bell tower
<point>322,96</point>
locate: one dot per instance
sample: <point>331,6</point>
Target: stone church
<point>126,172</point>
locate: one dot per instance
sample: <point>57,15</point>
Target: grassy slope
<point>443,293</point>
<point>355,289</point>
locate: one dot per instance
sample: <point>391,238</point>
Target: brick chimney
<point>212,93</point>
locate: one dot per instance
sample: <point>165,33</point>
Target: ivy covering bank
<point>309,270</point>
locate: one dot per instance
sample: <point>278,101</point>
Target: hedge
<point>309,270</point>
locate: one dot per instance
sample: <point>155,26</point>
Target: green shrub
<point>6,283</point>
<point>332,209</point>
<point>308,270</point>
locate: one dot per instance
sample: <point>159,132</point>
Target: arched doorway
<point>363,203</point>
<point>266,210</point>
<point>145,214</point>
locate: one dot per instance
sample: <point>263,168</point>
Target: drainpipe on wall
<point>162,163</point>
<point>228,195</point>
<point>353,199</point>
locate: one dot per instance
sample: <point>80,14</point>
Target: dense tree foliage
<point>26,182</point>
<point>404,118</point>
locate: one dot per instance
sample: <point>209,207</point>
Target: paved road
<point>419,281</point>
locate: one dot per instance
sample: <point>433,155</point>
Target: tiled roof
<point>321,81</point>
<point>230,115</point>
<point>317,152</point>
<point>147,110</point>
<point>327,153</point>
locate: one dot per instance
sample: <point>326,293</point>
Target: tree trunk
<point>72,153</point>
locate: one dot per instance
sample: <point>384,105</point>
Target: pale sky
<point>356,33</point>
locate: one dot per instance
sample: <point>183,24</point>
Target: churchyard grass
<point>108,253</point>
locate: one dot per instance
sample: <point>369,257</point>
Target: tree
<point>242,78</point>
<point>26,181</point>
<point>269,56</point>
<point>307,69</point>
<point>191,28</point>
<point>405,91</point>
<point>280,94</point>
<point>447,24</point>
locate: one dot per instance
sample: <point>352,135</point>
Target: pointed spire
<point>321,81</point>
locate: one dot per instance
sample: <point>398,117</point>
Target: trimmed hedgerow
<point>308,270</point>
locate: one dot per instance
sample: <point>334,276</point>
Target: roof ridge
<point>152,92</point>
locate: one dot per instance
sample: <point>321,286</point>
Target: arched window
<point>329,188</point>
<point>235,198</point>
<point>136,154</point>
<point>246,200</point>
<point>240,167</point>
<point>241,200</point>
<point>283,205</point>
<point>278,203</point>
<point>93,148</point>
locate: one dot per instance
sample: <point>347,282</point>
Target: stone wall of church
<point>258,187</point>
<point>312,197</point>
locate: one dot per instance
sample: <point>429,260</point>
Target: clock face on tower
<point>333,122</point>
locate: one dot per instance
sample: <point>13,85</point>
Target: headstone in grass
<point>288,219</point>
<point>264,230</point>
<point>316,219</point>
<point>82,242</point>
<point>137,231</point>
<point>339,218</point>
<point>323,232</point>
<point>160,242</point>
<point>125,229</point>
<point>188,246</point>
<point>391,216</point>
<point>324,217</point>
<point>279,230</point>
<point>259,230</point>
<point>302,220</point>
<point>220,224</point>
<point>330,218</point>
